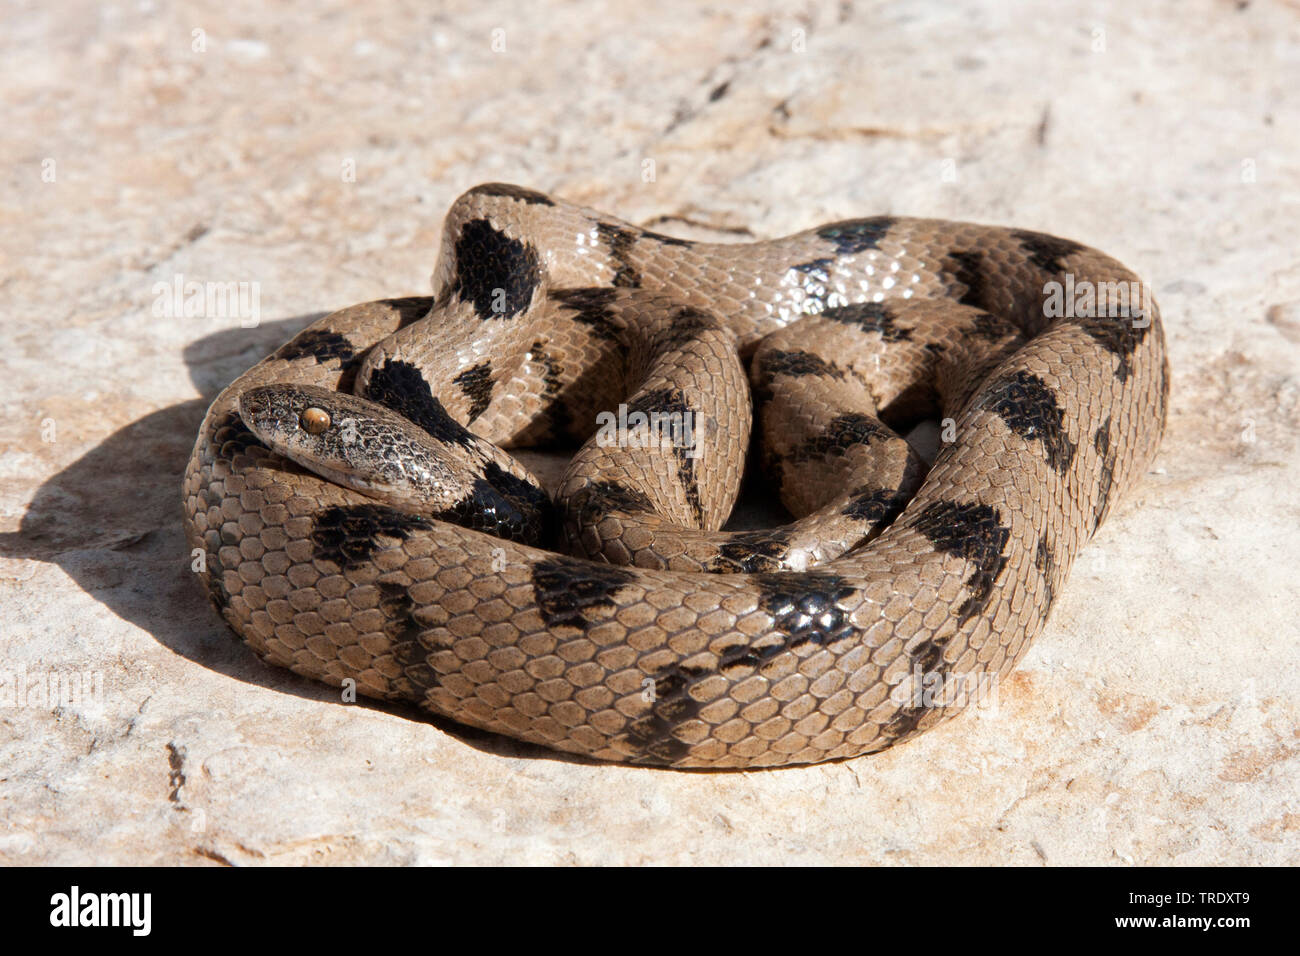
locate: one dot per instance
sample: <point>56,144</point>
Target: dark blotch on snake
<point>877,506</point>
<point>674,413</point>
<point>655,734</point>
<point>404,636</point>
<point>486,509</point>
<point>529,196</point>
<point>870,317</point>
<point>401,387</point>
<point>1118,336</point>
<point>1045,562</point>
<point>816,285</point>
<point>411,308</point>
<point>967,268</point>
<point>569,589</point>
<point>929,673</point>
<point>321,345</point>
<point>684,326</point>
<point>798,365</point>
<point>1046,252</point>
<point>666,240</point>
<point>476,383</point>
<point>556,413</point>
<point>987,327</point>
<point>775,362</point>
<point>1106,479</point>
<point>840,434</point>
<point>591,307</point>
<point>511,507</point>
<point>904,724</point>
<point>513,485</point>
<point>601,498</point>
<point>974,533</point>
<point>620,241</point>
<point>857,235</point>
<point>818,268</point>
<point>928,656</point>
<point>804,610</point>
<point>350,535</point>
<point>495,273</point>
<point>1101,438</point>
<point>752,552</point>
<point>1028,406</point>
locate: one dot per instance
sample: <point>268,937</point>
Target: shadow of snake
<point>111,522</point>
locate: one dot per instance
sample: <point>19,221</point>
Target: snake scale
<point>360,521</point>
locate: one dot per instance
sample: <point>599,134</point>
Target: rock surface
<point>1155,721</point>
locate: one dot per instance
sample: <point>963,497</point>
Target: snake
<point>358,515</point>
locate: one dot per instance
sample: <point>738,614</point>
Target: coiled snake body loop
<point>361,521</point>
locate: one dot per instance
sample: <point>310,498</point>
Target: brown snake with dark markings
<point>661,639</point>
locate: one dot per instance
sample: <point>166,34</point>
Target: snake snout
<point>261,409</point>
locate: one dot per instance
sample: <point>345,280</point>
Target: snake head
<point>353,442</point>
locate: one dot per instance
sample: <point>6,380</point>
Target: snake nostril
<point>251,406</point>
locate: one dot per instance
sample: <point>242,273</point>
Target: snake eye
<point>314,420</point>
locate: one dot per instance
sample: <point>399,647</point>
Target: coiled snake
<point>659,638</point>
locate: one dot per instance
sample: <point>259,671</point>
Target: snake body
<point>658,638</point>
